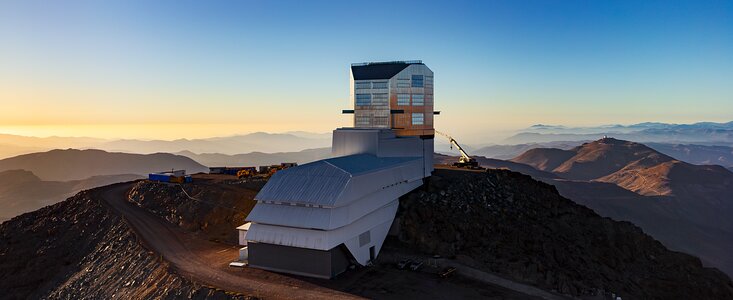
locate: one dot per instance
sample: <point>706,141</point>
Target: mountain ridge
<point>73,164</point>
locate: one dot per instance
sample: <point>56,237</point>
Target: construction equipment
<point>447,272</point>
<point>464,161</point>
<point>274,168</point>
<point>246,173</point>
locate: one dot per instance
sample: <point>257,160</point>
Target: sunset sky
<point>175,69</point>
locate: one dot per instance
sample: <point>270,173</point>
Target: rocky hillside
<point>218,208</point>
<point>511,224</point>
<point>77,249</point>
<point>685,206</point>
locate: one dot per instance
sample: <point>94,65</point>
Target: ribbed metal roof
<point>362,163</point>
<point>324,181</point>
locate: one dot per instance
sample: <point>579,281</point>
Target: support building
<point>318,218</point>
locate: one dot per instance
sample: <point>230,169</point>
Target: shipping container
<point>159,177</point>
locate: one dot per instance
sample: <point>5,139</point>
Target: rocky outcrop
<point>508,223</point>
<point>77,249</point>
<point>211,207</point>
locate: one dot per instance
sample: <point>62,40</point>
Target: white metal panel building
<point>316,219</point>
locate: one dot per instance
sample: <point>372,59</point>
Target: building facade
<point>396,95</point>
<point>318,218</point>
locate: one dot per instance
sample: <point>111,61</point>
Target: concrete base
<point>298,261</point>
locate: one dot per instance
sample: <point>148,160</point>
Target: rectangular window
<point>417,81</point>
<point>362,121</point>
<point>379,85</point>
<point>418,99</point>
<point>363,85</point>
<point>363,99</point>
<point>380,99</point>
<point>418,119</point>
<point>403,82</point>
<point>403,99</point>
<point>381,121</point>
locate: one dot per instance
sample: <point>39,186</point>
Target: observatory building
<point>318,218</point>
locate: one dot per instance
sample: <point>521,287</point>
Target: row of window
<point>416,81</point>
<point>417,99</point>
<point>383,99</point>
<point>371,85</point>
<point>372,99</point>
<point>417,119</point>
<point>380,121</point>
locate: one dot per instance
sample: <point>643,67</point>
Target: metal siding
<point>328,218</point>
<point>320,239</point>
<point>293,216</point>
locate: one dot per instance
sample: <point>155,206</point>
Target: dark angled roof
<point>379,70</point>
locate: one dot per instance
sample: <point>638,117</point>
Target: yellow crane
<point>464,161</point>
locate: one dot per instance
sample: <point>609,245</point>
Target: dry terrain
<point>687,207</point>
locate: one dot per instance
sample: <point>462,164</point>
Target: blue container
<point>188,179</point>
<point>159,177</point>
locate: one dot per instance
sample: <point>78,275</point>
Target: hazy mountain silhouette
<point>511,151</point>
<point>259,141</point>
<point>697,154</point>
<point>12,145</point>
<point>72,164</point>
<point>257,158</point>
<point>705,133</point>
<point>21,191</point>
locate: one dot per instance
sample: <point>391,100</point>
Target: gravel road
<point>204,261</point>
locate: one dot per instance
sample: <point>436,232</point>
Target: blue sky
<point>67,67</point>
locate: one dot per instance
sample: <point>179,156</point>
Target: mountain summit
<point>630,165</point>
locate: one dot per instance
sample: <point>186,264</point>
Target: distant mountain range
<point>31,181</point>
<point>259,141</point>
<point>632,166</point>
<point>12,145</point>
<point>257,158</point>
<point>21,191</point>
<point>694,154</point>
<point>704,133</point>
<point>511,151</point>
<point>71,164</point>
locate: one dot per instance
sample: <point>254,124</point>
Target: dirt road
<point>204,261</point>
